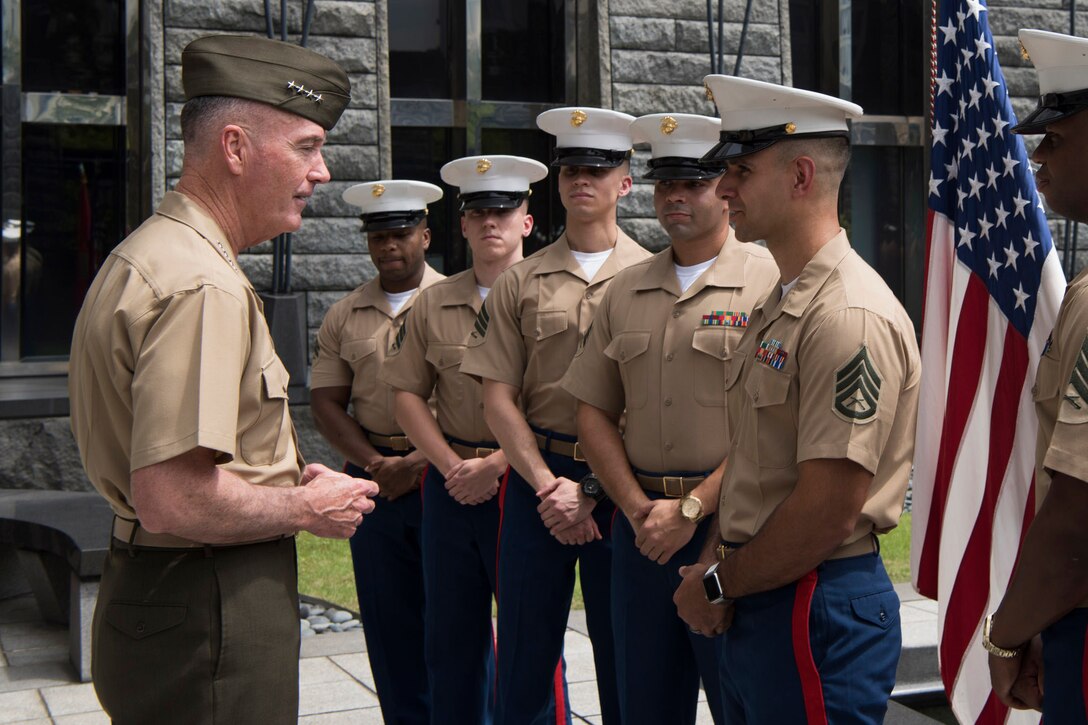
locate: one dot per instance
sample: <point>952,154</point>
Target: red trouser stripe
<point>811,689</point>
<point>560,703</point>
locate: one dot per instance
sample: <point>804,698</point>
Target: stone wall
<point>659,54</point>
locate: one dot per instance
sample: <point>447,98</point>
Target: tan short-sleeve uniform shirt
<point>171,352</point>
<point>354,338</point>
<point>830,370</point>
<point>663,355</point>
<point>1061,391</point>
<point>427,360</point>
<point>531,325</point>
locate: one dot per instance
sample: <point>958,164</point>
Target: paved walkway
<point>38,685</point>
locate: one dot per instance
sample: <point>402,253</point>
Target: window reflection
<point>521,44</point>
<point>427,48</point>
<point>418,154</point>
<point>73,46</point>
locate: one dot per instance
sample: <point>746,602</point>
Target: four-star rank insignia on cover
<point>1076,392</point>
<point>857,389</point>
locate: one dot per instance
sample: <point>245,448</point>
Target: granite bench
<point>61,539</point>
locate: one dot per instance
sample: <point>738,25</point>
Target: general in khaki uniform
<point>822,395</point>
<point>460,530</point>
<point>172,360</point>
<point>526,336</point>
<point>1047,599</point>
<point>660,349</point>
<point>352,344</point>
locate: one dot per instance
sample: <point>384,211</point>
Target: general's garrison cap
<point>280,74</point>
<point>587,136</point>
<point>756,114</point>
<point>1062,64</point>
<point>677,142</point>
<point>392,204</point>
<point>493,182</point>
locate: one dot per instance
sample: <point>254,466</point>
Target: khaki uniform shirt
<point>663,355</point>
<point>171,351</point>
<point>829,371</point>
<point>354,338</point>
<point>427,359</point>
<point>1061,391</point>
<point>535,316</point>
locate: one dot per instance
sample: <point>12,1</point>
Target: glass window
<point>427,48</point>
<point>73,215</point>
<point>887,43</point>
<point>73,47</point>
<point>520,41</point>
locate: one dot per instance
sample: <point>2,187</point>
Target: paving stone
<point>71,699</point>
<point>358,666</point>
<point>21,706</point>
<point>31,677</point>
<point>83,718</point>
<point>317,670</point>
<point>334,697</point>
<point>363,716</point>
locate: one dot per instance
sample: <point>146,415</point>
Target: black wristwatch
<point>712,585</point>
<point>592,488</point>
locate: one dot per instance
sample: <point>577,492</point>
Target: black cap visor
<point>601,158</point>
<point>492,199</point>
<point>680,167</point>
<point>1052,107</point>
<point>383,220</point>
<point>734,144</point>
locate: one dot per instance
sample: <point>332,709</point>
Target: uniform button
<point>883,615</point>
<point>755,396</point>
<point>1034,390</point>
<point>675,313</point>
<point>441,361</point>
<point>669,357</point>
<point>589,294</point>
<point>668,446</point>
<point>623,356</point>
<point>538,331</point>
<point>668,401</point>
<point>141,627</point>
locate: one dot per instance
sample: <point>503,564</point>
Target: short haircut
<point>831,154</point>
<point>200,113</point>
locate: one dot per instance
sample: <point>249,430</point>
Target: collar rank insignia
<point>482,320</point>
<point>725,318</point>
<point>857,389</point>
<point>770,353</point>
<point>1076,392</point>
<point>1049,342</point>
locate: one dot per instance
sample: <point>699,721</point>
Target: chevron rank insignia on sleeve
<point>1075,400</point>
<point>401,332</point>
<point>482,321</point>
<point>857,389</point>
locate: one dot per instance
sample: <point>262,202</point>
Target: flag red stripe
<point>970,347</point>
<point>971,589</point>
<point>992,712</point>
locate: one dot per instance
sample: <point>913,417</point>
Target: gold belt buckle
<point>399,443</point>
<point>578,452</point>
<point>678,480</point>
<point>484,452</point>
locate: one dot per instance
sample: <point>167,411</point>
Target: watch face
<point>591,486</point>
<point>691,508</point>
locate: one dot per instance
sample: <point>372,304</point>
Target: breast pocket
<point>776,429</point>
<point>713,347</point>
<point>359,354</point>
<point>628,350</point>
<point>544,324</point>
<point>1048,383</point>
<point>446,358</point>
<point>265,441</point>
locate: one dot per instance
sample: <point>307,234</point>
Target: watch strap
<point>1000,652</point>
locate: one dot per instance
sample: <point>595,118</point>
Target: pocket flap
<point>276,378</point>
<point>767,386</point>
<point>144,620</point>
<point>544,323</point>
<point>880,609</point>
<point>627,345</point>
<point>358,349</point>
<point>445,355</point>
<point>712,341</point>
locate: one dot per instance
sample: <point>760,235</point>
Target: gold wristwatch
<point>691,508</point>
<point>1005,654</point>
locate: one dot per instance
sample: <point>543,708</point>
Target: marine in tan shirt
<point>352,344</point>
<point>179,407</point>
<point>460,503</point>
<point>526,335</point>
<point>823,400</point>
<point>658,354</point>
<point>1037,633</point>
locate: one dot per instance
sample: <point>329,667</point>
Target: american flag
<point>993,285</point>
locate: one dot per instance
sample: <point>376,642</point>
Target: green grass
<point>324,566</point>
